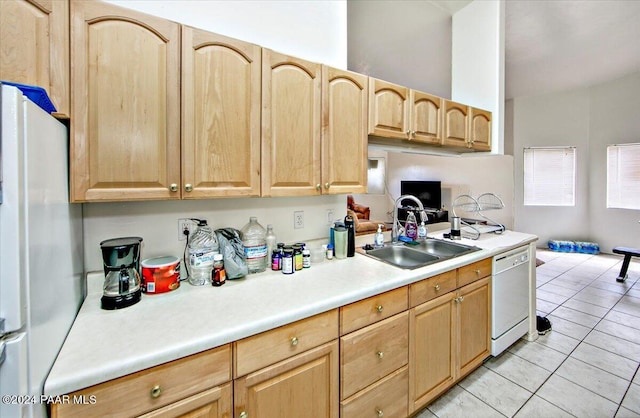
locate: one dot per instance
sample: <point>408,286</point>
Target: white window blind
<point>549,176</point>
<point>623,176</point>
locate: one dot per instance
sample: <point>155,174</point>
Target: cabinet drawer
<point>133,395</point>
<point>373,309</point>
<point>432,287</point>
<point>473,272</point>
<point>387,397</point>
<point>372,353</point>
<point>269,347</point>
<point>211,403</point>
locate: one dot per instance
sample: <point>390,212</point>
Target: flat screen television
<point>428,192</point>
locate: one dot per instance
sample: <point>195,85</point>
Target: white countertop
<point>103,345</point>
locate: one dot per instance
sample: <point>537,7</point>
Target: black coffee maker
<point>121,262</point>
<point>349,223</point>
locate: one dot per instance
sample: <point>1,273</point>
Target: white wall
<point>614,119</point>
<point>478,61</point>
<point>403,42</point>
<point>313,30</point>
<point>473,175</point>
<point>590,119</point>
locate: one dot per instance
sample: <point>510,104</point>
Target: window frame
<point>626,193</point>
<point>543,192</point>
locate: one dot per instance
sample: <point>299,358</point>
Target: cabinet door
<point>212,403</point>
<point>125,132</point>
<point>291,117</point>
<point>220,116</point>
<point>456,128</point>
<point>480,129</point>
<point>344,131</point>
<point>426,117</point>
<point>474,324</point>
<point>388,109</point>
<point>305,385</point>
<point>432,347</point>
<point>371,353</point>
<point>35,47</point>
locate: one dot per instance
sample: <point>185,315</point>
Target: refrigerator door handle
<point>2,353</point>
<point>1,326</point>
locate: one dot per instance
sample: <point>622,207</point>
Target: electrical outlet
<point>298,219</point>
<point>184,224</point>
<point>330,217</point>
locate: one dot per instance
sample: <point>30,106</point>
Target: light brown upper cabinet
<point>456,124</point>
<point>35,47</point>
<point>291,116</point>
<point>466,126</point>
<point>388,109</point>
<point>426,117</point>
<point>480,129</point>
<point>344,131</point>
<point>125,131</point>
<point>398,112</point>
<point>220,116</point>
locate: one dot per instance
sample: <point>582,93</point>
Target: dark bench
<point>628,253</point>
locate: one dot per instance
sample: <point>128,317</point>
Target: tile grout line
<point>618,405</point>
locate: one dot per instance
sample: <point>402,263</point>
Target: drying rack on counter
<point>473,228</point>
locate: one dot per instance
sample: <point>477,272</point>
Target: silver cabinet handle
<point>173,187</point>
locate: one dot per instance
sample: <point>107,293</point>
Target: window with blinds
<point>623,176</point>
<point>549,176</point>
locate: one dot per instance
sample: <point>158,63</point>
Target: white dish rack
<point>476,207</point>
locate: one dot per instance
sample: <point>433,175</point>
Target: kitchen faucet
<point>396,223</point>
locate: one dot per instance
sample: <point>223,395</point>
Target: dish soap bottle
<point>411,226</point>
<point>378,240</point>
<point>422,232</point>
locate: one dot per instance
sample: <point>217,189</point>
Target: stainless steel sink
<point>403,257</point>
<point>427,252</point>
<point>444,249</point>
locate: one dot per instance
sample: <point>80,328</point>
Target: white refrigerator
<point>41,253</point>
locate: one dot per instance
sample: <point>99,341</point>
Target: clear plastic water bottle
<point>255,245</point>
<point>271,242</point>
<point>203,245</point>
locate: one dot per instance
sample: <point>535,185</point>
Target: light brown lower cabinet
<point>305,385</point>
<point>385,356</point>
<point>212,403</point>
<point>448,337</point>
<point>189,386</point>
<point>386,398</point>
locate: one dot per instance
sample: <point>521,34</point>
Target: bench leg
<point>623,271</point>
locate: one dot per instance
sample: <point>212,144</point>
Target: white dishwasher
<point>510,298</point>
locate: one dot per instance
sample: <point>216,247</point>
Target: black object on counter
<point>349,223</point>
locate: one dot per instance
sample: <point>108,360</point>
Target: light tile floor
<point>586,367</point>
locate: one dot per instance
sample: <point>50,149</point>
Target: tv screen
<point>428,192</point>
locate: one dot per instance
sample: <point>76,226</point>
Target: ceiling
<point>554,45</point>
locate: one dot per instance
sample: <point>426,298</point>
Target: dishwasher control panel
<point>510,259</point>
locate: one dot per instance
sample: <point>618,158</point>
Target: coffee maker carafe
<point>121,261</point>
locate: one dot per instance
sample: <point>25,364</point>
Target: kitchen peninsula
<point>106,345</point>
